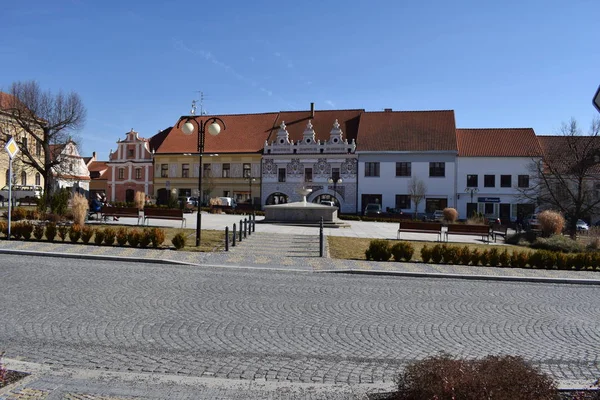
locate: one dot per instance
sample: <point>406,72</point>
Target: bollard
<point>233,239</point>
<point>241,229</point>
<point>249,225</point>
<point>253,222</point>
<point>245,228</point>
<point>226,238</point>
<point>321,241</point>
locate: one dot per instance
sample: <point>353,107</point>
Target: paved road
<point>297,327</point>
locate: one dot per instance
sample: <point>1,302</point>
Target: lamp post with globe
<point>335,183</point>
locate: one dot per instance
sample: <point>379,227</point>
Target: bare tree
<point>568,178</point>
<point>417,190</point>
<point>49,119</point>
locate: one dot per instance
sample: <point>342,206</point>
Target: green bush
<point>493,257</point>
<point>99,236</point>
<point>26,230</point>
<point>18,214</point>
<point>475,257</point>
<point>504,258</point>
<point>484,257</point>
<point>402,251</point>
<point>50,231</point>
<point>133,237</point>
<point>178,241</point>
<point>4,228</point>
<point>558,243</point>
<point>145,238</point>
<point>63,230</point>
<point>122,236</point>
<point>60,201</point>
<point>38,231</point>
<point>450,254</point>
<point>157,237</point>
<point>437,254</point>
<point>519,259</point>
<point>86,233</point>
<point>425,254</point>
<point>109,236</point>
<point>379,250</point>
<point>522,238</point>
<point>465,255</point>
<point>75,233</point>
<point>547,259</point>
<point>493,377</point>
<point>561,261</point>
<point>15,230</point>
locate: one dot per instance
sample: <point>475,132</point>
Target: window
<point>138,173</point>
<point>489,180</point>
<point>247,172</point>
<point>402,200</point>
<point>403,169</point>
<point>371,169</point>
<point>489,208</point>
<point>121,173</point>
<point>23,178</point>
<point>38,148</point>
<point>38,179</point>
<point>472,181</point>
<point>164,170</point>
<point>185,192</point>
<point>523,181</point>
<point>307,174</point>
<point>335,174</point>
<point>206,170</point>
<point>185,170</point>
<point>130,153</point>
<point>505,180</point>
<point>226,170</point>
<point>281,175</point>
<point>437,169</point>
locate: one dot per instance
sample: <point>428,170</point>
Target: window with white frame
<point>371,169</point>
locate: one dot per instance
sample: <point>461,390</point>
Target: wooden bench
<point>164,213</point>
<point>473,230</point>
<point>420,227</point>
<point>498,229</point>
<point>118,212</point>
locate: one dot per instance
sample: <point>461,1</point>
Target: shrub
<point>519,259</point>
<point>561,261</point>
<point>50,217</point>
<point>50,231</point>
<point>86,233</point>
<point>402,251</point>
<point>178,241</point>
<point>122,235</point>
<point>476,219</point>
<point>60,201</point>
<point>38,231</point>
<point>450,214</point>
<point>450,254</point>
<point>547,259</point>
<point>109,236</point>
<point>99,236</point>
<point>493,257</point>
<point>475,257</point>
<point>157,237</point>
<point>18,213</point>
<point>465,255</point>
<point>551,222</point>
<point>504,258</point>
<point>145,238</point>
<point>63,230</point>
<point>493,377</point>
<point>75,233</point>
<point>425,254</point>
<point>133,237</point>
<point>139,200</point>
<point>521,239</point>
<point>437,254</point>
<point>80,208</point>
<point>4,228</point>
<point>379,250</point>
<point>32,215</point>
<point>27,230</point>
<point>15,230</point>
<point>484,257</point>
<point>558,243</point>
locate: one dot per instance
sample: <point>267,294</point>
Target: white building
<point>72,171</point>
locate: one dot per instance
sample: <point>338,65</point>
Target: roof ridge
<point>409,111</point>
<point>487,129</point>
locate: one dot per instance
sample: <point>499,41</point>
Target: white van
<point>22,192</point>
<point>228,201</point>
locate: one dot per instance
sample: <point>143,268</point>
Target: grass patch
<point>211,240</point>
<point>354,248</point>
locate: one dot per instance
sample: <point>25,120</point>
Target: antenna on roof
<point>193,110</point>
<point>202,111</point>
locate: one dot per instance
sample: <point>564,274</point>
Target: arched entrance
<point>277,198</point>
<point>326,197</point>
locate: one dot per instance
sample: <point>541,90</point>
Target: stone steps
<point>278,245</point>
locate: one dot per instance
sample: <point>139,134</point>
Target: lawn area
<point>354,248</point>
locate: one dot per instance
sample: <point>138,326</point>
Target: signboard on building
<point>488,199</point>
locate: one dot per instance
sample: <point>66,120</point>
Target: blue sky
<point>139,64</point>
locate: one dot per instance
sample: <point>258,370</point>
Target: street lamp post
<point>188,128</point>
<point>471,190</point>
<point>335,183</point>
<point>250,180</point>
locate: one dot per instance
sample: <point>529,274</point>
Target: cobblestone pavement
<point>291,327</point>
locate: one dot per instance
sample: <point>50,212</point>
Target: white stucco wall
<point>389,185</point>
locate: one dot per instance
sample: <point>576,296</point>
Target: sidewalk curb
<point>529,279</point>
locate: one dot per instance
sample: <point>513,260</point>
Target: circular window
<point>335,140</point>
<point>281,141</point>
<point>307,140</point>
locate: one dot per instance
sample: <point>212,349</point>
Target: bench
<point>164,213</point>
<point>498,229</point>
<point>118,212</point>
<point>478,230</point>
<point>420,227</point>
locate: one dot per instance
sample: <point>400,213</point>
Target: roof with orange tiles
<point>407,131</point>
<point>98,170</point>
<point>498,142</point>
<point>243,133</point>
<point>156,140</point>
<point>564,152</point>
<point>322,122</point>
<point>8,101</point>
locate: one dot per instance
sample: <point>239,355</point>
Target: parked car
<point>372,209</point>
<point>327,203</point>
<point>582,226</point>
<point>531,222</point>
<point>494,220</point>
<point>21,192</point>
<point>438,215</point>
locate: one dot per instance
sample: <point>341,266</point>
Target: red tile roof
<point>244,133</point>
<point>8,101</point>
<point>565,151</point>
<point>156,140</point>
<point>496,142</point>
<point>322,122</point>
<point>98,170</point>
<point>407,131</point>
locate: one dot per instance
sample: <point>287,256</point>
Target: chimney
<point>387,110</point>
<point>94,155</point>
<point>312,110</point>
